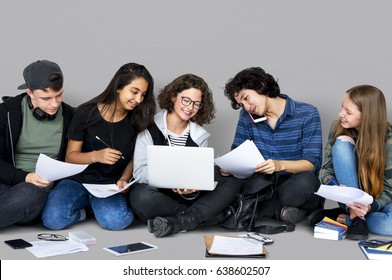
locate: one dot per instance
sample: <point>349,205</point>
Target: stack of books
<point>330,229</point>
<point>376,249</point>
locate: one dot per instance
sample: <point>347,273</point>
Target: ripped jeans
<point>346,172</point>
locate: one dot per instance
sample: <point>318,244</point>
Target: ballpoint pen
<point>332,180</point>
<point>103,142</point>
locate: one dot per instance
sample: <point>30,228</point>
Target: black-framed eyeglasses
<point>187,101</point>
<point>51,237</point>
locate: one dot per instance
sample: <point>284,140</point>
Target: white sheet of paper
<point>43,248</point>
<point>242,161</point>
<point>105,190</point>
<point>223,245</point>
<point>344,195</point>
<point>53,170</point>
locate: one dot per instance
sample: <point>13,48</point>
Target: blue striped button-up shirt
<point>297,134</point>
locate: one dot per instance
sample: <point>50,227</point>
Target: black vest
<point>159,139</point>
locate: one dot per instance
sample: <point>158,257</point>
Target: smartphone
<point>131,248</point>
<point>256,118</point>
<point>18,243</point>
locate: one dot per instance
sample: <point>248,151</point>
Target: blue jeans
<point>68,199</point>
<point>345,168</point>
<point>21,204</point>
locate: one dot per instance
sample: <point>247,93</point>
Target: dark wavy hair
<point>251,78</point>
<point>206,113</point>
<point>142,115</point>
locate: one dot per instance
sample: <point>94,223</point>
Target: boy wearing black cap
<point>31,123</point>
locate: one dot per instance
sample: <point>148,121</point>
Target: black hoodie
<point>10,127</point>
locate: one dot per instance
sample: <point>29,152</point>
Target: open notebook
<point>181,167</point>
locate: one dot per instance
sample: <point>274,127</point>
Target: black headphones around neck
<point>38,113</point>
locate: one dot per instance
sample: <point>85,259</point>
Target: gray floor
<point>297,245</point>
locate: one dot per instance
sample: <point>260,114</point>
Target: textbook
<point>383,252</point>
<point>330,229</point>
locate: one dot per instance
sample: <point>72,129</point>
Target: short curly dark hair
<point>251,78</point>
<point>165,98</point>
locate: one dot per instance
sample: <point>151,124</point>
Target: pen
<point>332,180</point>
<point>103,142</point>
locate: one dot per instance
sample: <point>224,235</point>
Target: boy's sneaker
<point>292,214</point>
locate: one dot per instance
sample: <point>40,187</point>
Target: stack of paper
<point>233,246</point>
<point>330,229</point>
<point>43,248</point>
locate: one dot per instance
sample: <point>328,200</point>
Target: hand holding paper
<point>344,195</point>
<point>106,190</point>
<point>242,161</point>
<point>53,170</point>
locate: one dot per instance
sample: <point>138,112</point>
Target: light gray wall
<point>317,49</point>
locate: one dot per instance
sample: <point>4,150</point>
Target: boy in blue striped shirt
<point>290,140</point>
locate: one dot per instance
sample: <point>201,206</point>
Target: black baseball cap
<point>37,75</point>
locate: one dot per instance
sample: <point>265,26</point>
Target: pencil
<point>106,144</point>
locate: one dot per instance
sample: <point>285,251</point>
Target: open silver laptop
<point>181,167</point>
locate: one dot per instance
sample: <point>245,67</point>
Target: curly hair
<point>165,98</point>
<point>251,78</point>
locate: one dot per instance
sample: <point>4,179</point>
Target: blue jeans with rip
<point>67,203</point>
<point>346,172</point>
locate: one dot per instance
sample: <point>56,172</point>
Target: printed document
<point>242,161</point>
<point>53,170</point>
<point>235,246</point>
<point>43,248</point>
<point>106,190</point>
<point>346,195</point>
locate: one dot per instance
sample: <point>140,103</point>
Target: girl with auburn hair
<point>359,155</point>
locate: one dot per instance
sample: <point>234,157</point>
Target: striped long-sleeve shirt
<point>297,134</point>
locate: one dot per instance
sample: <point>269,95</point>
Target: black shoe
<point>163,226</point>
<point>319,214</point>
<point>358,230</point>
<point>160,227</point>
<point>292,214</point>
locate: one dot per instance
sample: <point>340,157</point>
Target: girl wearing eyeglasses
<point>186,105</point>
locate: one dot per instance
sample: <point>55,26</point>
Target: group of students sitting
<point>358,153</point>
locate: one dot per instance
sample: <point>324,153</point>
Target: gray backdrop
<point>317,49</point>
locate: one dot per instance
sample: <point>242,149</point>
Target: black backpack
<point>244,210</point>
